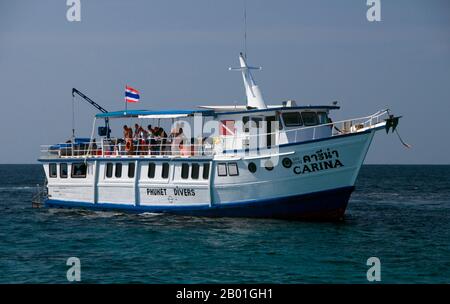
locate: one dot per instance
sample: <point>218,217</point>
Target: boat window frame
<point>133,171</point>
<point>109,169</point>
<point>288,125</point>
<point>61,175</point>
<point>221,173</point>
<point>151,169</point>
<point>116,171</point>
<point>50,170</point>
<point>185,170</point>
<point>206,168</point>
<point>164,172</point>
<point>195,171</point>
<point>279,119</point>
<point>245,125</point>
<point>73,165</point>
<point>315,115</point>
<point>235,165</point>
<point>325,115</point>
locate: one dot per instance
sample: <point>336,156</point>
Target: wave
<point>16,188</point>
<point>149,214</point>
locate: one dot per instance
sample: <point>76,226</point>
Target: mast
<point>254,96</point>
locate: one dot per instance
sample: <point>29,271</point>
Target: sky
<point>177,53</point>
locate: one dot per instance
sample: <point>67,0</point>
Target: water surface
<point>400,214</point>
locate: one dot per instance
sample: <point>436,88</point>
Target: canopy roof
<point>206,111</point>
<point>155,114</point>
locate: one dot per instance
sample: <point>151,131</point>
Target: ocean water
<point>400,214</point>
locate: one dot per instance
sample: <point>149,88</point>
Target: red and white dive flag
<point>131,95</point>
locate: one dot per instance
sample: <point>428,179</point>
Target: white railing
<point>110,148</point>
<point>304,133</point>
<point>116,147</point>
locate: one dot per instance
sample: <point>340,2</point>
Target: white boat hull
<point>308,185</point>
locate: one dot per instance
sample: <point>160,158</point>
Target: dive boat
<point>287,161</point>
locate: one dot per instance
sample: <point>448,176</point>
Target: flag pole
<point>126,103</point>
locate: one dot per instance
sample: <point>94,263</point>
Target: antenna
<point>245,29</point>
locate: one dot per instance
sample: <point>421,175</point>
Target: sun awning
<point>163,116</point>
<point>155,114</point>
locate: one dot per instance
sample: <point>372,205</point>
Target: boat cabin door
<point>257,129</point>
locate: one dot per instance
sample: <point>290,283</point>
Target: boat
<point>285,161</point>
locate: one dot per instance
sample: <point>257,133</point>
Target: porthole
<point>287,162</point>
<point>252,167</point>
<point>268,165</point>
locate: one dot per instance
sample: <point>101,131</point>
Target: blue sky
<point>177,54</point>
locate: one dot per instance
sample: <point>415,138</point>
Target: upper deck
<point>222,131</point>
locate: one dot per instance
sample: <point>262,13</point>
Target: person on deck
<point>128,137</point>
<point>150,141</point>
<point>177,141</point>
<point>163,139</point>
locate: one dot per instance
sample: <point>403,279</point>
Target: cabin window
<point>245,123</point>
<point>252,167</point>
<point>165,170</point>
<point>309,118</point>
<point>278,118</point>
<point>195,171</point>
<point>323,117</point>
<point>131,169</point>
<point>205,170</point>
<point>78,170</point>
<point>233,169</point>
<point>63,170</point>
<point>222,169</point>
<point>151,170</point>
<point>118,172</point>
<point>52,171</point>
<point>256,122</point>
<point>184,171</point>
<point>292,119</point>
<point>109,170</point>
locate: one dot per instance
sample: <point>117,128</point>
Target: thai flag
<point>131,95</point>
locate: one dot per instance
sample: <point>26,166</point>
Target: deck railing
<point>116,147</point>
<point>303,133</point>
<point>106,148</point>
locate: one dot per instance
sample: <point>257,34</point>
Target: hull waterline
<point>327,205</point>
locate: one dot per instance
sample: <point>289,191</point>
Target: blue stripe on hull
<point>324,205</point>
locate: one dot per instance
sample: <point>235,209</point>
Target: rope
<point>401,140</point>
<point>73,117</point>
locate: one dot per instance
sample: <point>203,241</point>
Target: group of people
<point>153,140</point>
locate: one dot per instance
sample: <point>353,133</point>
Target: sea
<point>398,216</point>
